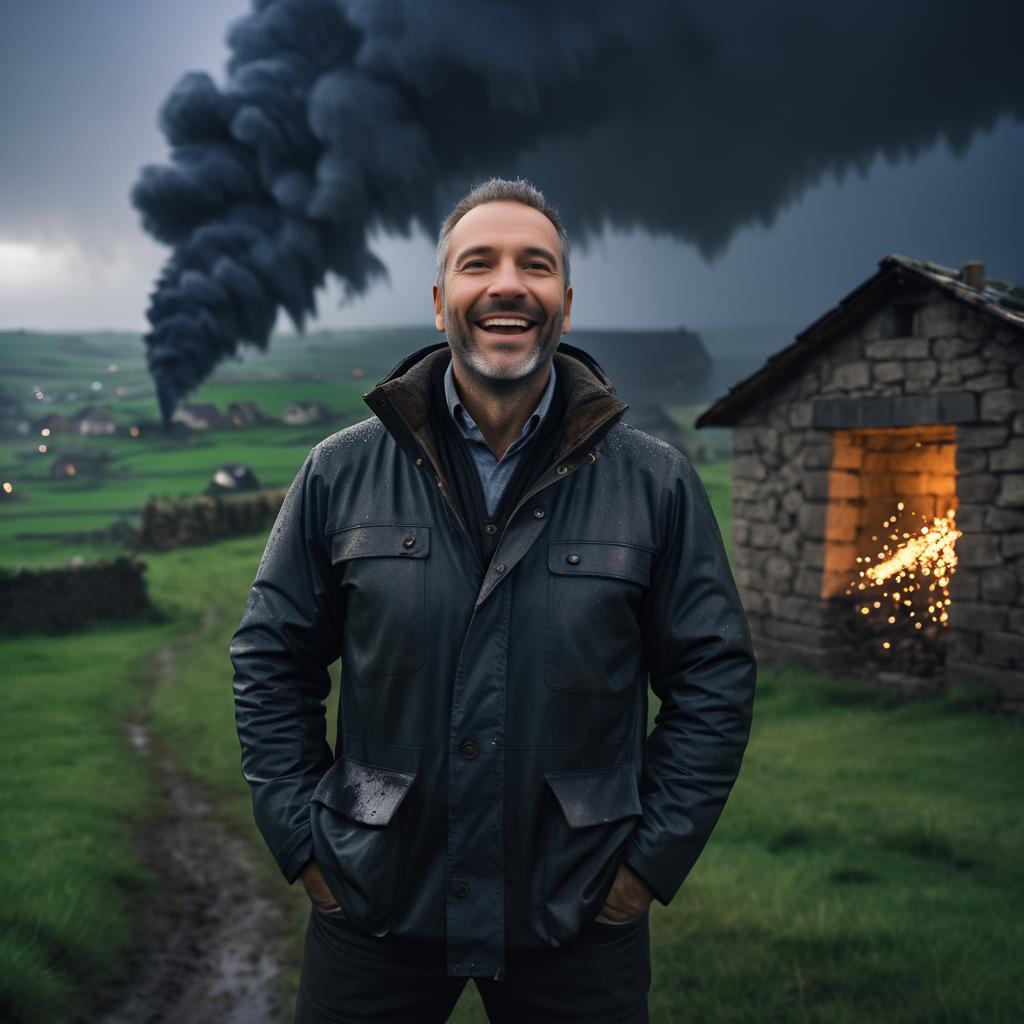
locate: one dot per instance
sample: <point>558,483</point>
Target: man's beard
<point>460,337</point>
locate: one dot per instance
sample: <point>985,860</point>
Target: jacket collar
<point>402,400</point>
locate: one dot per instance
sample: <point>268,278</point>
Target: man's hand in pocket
<point>316,888</point>
<point>628,899</point>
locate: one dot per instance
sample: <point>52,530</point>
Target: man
<point>501,563</point>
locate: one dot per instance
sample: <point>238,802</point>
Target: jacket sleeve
<point>289,635</point>
<point>701,662</point>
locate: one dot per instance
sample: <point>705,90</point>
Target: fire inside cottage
<point>878,483</point>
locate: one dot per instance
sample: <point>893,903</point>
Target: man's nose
<point>507,280</point>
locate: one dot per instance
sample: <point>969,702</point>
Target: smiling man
<point>502,565</point>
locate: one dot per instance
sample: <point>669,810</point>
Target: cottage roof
<point>999,299</point>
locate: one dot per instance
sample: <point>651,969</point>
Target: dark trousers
<point>348,977</point>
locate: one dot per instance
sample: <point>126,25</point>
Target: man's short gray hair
<point>499,190</point>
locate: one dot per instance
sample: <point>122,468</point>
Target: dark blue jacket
<point>492,764</point>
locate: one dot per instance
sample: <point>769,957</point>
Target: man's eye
<point>473,263</point>
<point>538,266</point>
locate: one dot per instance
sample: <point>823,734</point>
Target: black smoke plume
<point>338,117</point>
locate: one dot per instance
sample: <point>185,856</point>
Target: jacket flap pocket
<point>596,797</point>
<point>593,558</point>
<point>363,792</point>
<point>380,542</point>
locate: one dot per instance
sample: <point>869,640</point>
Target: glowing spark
<point>929,547</point>
<point>919,564</point>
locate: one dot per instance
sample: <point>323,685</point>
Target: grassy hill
<point>66,369</point>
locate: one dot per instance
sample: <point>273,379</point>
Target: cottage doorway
<point>890,548</point>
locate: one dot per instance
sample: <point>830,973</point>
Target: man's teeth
<point>505,322</point>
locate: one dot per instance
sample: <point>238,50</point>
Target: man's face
<point>504,263</point>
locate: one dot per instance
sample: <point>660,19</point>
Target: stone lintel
<point>894,410</point>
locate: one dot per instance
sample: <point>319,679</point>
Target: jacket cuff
<point>663,888</point>
<point>292,857</point>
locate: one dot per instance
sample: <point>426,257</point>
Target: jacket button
<point>500,567</point>
<point>490,528</point>
<point>573,559</point>
<point>409,541</point>
<point>470,749</point>
<point>419,462</point>
<point>539,513</point>
<point>591,457</point>
<point>461,890</point>
<point>458,968</point>
<point>562,470</point>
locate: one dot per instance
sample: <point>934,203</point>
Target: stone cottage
<point>878,483</point>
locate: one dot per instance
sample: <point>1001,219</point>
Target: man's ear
<point>568,306</point>
<point>438,309</point>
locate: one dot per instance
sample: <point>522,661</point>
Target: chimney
<point>973,274</point>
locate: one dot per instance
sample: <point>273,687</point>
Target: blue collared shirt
<point>494,473</point>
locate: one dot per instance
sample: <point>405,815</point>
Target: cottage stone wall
<point>958,365</point>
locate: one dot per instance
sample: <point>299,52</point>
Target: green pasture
<point>36,522</point>
<point>867,867</point>
<point>72,803</point>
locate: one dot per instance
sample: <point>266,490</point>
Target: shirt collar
<point>466,422</point>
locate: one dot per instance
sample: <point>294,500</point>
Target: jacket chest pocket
<point>382,572</point>
<point>595,590</point>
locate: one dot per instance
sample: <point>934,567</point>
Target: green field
<point>42,511</point>
<point>867,867</point>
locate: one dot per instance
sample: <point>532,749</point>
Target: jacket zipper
<point>582,443</point>
<point>442,486</point>
<point>455,512</point>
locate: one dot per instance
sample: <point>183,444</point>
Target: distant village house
<point>199,416</point>
<point>66,467</point>
<point>92,421</point>
<point>233,477</point>
<point>246,414</point>
<point>301,414</point>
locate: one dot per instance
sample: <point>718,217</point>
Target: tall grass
<point>72,801</point>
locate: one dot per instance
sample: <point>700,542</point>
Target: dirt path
<point>202,954</point>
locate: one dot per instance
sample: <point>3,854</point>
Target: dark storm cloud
<point>686,120</point>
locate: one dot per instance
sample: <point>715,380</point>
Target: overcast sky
<point>81,83</point>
